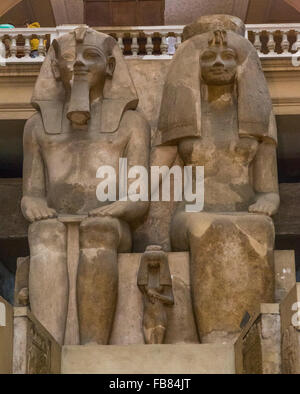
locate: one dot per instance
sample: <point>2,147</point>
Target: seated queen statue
<point>216,112</point>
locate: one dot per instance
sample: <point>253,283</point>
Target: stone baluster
<point>27,46</point>
<point>134,44</point>
<point>41,48</point>
<point>149,45</point>
<point>2,49</point>
<point>257,42</point>
<point>296,45</point>
<point>178,41</point>
<point>164,45</point>
<point>120,42</point>
<point>271,43</point>
<point>13,47</point>
<point>285,44</point>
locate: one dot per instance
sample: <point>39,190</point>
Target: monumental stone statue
<point>216,112</point>
<point>86,118</point>
<point>155,282</point>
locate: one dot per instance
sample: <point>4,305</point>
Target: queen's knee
<point>97,232</point>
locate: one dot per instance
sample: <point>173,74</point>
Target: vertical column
<point>27,47</point>
<point>257,42</point>
<point>13,47</point>
<point>120,41</point>
<point>285,44</point>
<point>134,44</point>
<point>164,45</point>
<point>41,47</point>
<point>149,45</point>
<point>271,44</point>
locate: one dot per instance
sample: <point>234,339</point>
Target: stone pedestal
<point>6,336</point>
<point>290,331</point>
<point>34,350</point>
<point>285,273</point>
<point>257,349</point>
<point>149,359</point>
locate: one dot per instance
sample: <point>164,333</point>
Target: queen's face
<point>218,65</point>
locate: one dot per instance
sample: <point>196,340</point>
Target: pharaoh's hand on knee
<point>267,204</point>
<point>36,209</point>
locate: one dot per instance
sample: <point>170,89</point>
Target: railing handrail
<point>170,38</point>
<point>164,28</point>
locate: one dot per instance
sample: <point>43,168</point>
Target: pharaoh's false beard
<point>79,107</point>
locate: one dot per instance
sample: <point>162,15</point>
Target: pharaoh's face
<point>83,70</point>
<point>218,65</point>
<point>84,61</point>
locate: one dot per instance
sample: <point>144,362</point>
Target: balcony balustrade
<point>146,42</point>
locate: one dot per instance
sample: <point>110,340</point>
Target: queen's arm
<point>265,179</point>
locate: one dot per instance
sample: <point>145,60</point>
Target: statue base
<point>149,359</point>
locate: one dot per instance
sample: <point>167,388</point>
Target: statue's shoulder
<point>34,124</point>
<point>135,120</point>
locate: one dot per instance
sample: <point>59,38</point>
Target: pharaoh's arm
<point>265,180</point>
<point>34,205</point>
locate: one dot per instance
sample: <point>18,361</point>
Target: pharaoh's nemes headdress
<point>119,91</point>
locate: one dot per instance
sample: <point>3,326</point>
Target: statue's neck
<point>216,92</point>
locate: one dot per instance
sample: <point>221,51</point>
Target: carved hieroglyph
<point>216,112</point>
<point>86,118</point>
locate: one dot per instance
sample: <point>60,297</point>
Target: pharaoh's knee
<point>50,232</point>
<point>100,232</point>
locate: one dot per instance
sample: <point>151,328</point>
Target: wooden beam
<point>294,3</point>
<point>6,5</point>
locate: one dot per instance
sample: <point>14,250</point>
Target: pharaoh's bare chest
<point>80,156</point>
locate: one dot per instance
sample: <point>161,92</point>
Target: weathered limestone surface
<point>258,348</point>
<point>35,351</point>
<point>155,283</point>
<point>87,119</point>
<point>145,359</point>
<point>6,337</point>
<point>208,120</point>
<point>290,331</point>
<point>285,275</point>
<point>127,328</point>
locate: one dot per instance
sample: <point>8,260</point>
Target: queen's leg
<point>97,285</point>
<point>48,277</point>
<point>231,266</point>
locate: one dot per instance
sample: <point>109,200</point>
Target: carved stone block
<point>285,274</point>
<point>258,347</point>
<point>290,331</point>
<point>6,336</point>
<point>35,350</point>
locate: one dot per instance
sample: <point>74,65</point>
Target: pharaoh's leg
<point>231,266</point>
<point>48,276</point>
<point>97,283</point>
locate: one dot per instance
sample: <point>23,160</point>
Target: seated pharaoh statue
<point>216,113</point>
<point>86,119</point>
